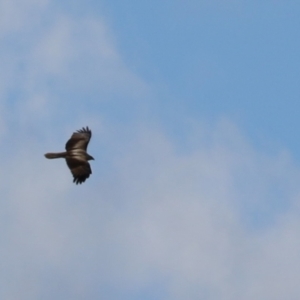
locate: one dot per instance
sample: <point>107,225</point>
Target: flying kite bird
<point>76,156</point>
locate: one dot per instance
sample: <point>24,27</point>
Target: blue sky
<point>194,111</point>
<point>235,58</point>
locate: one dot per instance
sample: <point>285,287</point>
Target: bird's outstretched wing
<point>79,139</point>
<point>80,169</point>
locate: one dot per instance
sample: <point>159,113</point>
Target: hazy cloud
<point>158,218</point>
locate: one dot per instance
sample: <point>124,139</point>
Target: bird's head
<point>89,157</point>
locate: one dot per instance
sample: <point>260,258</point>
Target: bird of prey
<point>76,156</point>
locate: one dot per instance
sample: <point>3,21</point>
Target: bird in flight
<point>76,156</point>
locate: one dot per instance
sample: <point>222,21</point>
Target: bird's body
<point>76,156</point>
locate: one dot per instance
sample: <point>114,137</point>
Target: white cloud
<point>157,217</point>
<point>56,66</point>
<point>17,13</point>
<point>189,218</point>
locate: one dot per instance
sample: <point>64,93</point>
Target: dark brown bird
<point>76,156</point>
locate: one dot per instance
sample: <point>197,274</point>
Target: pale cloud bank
<point>57,66</point>
<point>156,221</point>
